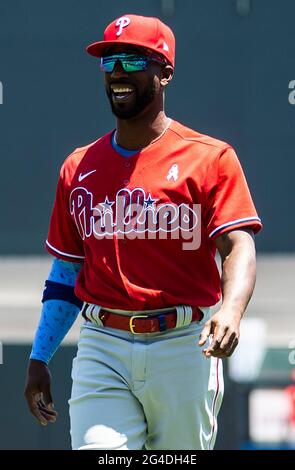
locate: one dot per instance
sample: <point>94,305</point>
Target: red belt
<point>140,323</point>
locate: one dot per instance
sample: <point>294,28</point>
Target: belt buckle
<point>131,326</point>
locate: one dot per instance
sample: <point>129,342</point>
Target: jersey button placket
<point>127,171</point>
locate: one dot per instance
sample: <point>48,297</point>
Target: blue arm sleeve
<point>57,315</point>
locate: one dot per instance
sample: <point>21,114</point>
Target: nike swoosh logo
<point>81,177</point>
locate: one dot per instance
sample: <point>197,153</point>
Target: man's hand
<point>225,328</point>
<point>237,251</point>
<point>37,392</point>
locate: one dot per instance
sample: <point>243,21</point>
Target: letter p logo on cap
<point>122,23</point>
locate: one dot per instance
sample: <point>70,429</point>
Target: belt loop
<point>92,313</point>
<point>83,310</point>
<point>188,315</point>
<point>180,316</point>
<point>95,314</point>
<point>184,315</point>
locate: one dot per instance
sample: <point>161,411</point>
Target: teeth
<point>121,90</point>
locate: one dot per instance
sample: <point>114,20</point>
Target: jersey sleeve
<point>63,239</point>
<point>229,203</point>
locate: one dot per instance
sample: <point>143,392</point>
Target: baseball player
<point>137,219</point>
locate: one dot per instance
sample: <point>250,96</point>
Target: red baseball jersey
<point>127,219</point>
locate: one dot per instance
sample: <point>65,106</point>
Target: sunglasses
<point>129,62</point>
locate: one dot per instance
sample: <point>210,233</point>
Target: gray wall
<point>231,81</point>
<point>18,428</point>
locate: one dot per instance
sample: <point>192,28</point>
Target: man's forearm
<point>57,317</point>
<point>238,271</point>
<point>60,309</point>
<point>237,252</point>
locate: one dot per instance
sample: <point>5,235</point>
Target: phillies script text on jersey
<point>131,212</point>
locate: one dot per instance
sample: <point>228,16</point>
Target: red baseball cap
<point>136,30</point>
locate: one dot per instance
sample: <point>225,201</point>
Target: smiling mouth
<point>122,92</point>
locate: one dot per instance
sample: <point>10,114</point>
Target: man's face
<point>130,94</point>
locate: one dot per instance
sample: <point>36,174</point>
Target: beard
<point>138,104</point>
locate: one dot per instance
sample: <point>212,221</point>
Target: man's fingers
<point>218,336</point>
<point>50,407</point>
<point>225,349</point>
<point>45,410</point>
<point>44,414</point>
<point>47,397</point>
<point>214,347</point>
<point>34,409</point>
<point>49,418</point>
<point>225,336</point>
<point>47,402</point>
<point>38,394</point>
<point>231,346</point>
<point>205,333</point>
<point>228,340</point>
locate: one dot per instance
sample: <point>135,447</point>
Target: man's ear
<point>167,75</point>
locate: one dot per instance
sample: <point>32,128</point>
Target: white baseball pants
<point>151,391</point>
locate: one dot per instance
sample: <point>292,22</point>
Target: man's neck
<point>140,132</point>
